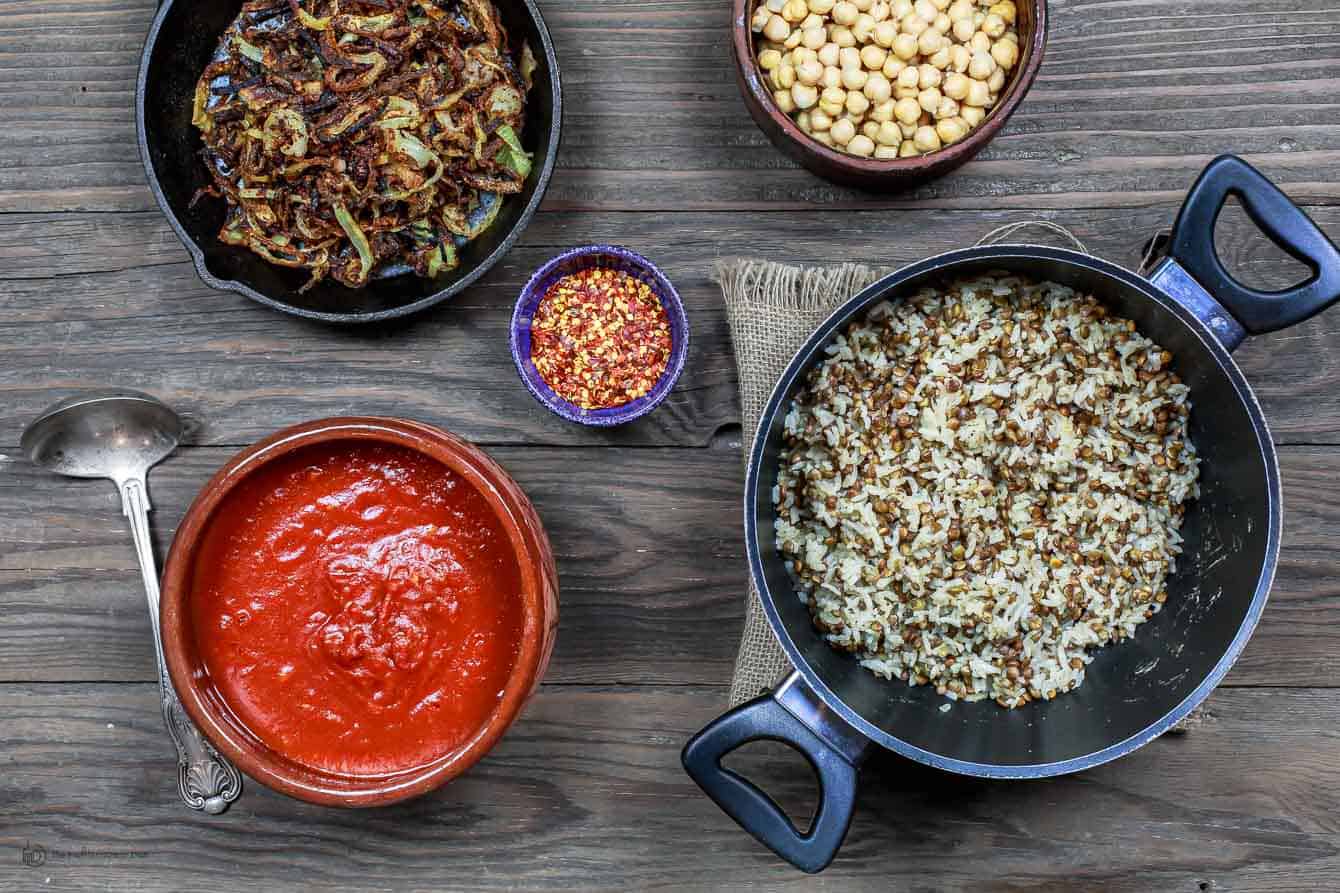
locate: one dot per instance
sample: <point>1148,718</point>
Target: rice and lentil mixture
<point>982,484</point>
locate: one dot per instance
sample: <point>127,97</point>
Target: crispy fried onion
<point>356,137</point>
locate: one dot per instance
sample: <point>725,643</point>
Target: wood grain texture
<point>92,299</point>
<point>587,793</point>
<point>654,120</point>
<point>650,556</point>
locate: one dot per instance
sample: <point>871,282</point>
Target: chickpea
<point>819,121</point>
<point>980,43</point>
<point>776,29</point>
<point>886,153</point>
<point>880,12</point>
<point>809,73</point>
<point>842,36</point>
<point>814,38</point>
<point>963,30</point>
<point>893,67</point>
<point>861,145</point>
<point>951,130</point>
<point>793,39</point>
<point>885,33</point>
<point>960,9</point>
<point>1006,53</point>
<point>1007,11</point>
<point>993,26</point>
<point>845,12</point>
<point>956,86</point>
<point>785,77</point>
<point>928,76</point>
<point>864,28</point>
<point>832,101</point>
<point>803,121</point>
<point>947,108</point>
<point>978,94</point>
<point>940,58</point>
<point>900,9</point>
<point>855,78</point>
<point>981,66</point>
<point>842,131</point>
<point>883,111</point>
<point>821,7</point>
<point>821,136</point>
<point>908,128</point>
<point>909,77</point>
<point>972,115</point>
<point>857,104</point>
<point>925,9</point>
<point>901,92</point>
<point>960,57</point>
<point>832,76</point>
<point>877,88</point>
<point>795,11</point>
<point>863,5</point>
<point>888,134</point>
<point>907,110</point>
<point>761,16</point>
<point>930,41</point>
<point>905,47</point>
<point>784,101</point>
<point>769,59</point>
<point>849,57</point>
<point>914,25</point>
<point>801,55</point>
<point>996,81</point>
<point>907,149</point>
<point>828,54</point>
<point>872,57</point>
<point>929,99</point>
<point>870,129</point>
<point>926,139</point>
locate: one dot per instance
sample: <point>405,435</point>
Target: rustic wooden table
<point>659,154</point>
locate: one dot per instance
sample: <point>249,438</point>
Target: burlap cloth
<point>772,308</point>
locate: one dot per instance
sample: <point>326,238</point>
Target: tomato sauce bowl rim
<point>217,720</point>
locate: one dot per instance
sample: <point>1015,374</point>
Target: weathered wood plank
<point>586,792</point>
<point>92,299</point>
<point>651,563</point>
<point>655,120</point>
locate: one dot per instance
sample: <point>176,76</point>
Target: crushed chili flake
<point>600,338</point>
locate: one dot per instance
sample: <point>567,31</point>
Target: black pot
<point>182,39</point>
<point>834,711</point>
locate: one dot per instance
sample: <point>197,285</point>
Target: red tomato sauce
<point>358,606</point>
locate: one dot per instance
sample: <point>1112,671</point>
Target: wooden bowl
<point>216,719</point>
<point>873,173</point>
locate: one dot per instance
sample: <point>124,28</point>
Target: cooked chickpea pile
<point>886,78</point>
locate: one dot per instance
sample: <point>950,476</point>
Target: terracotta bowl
<point>216,719</point>
<point>872,173</point>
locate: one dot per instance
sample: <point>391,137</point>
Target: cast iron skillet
<point>834,711</point>
<point>181,41</point>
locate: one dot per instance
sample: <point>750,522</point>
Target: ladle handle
<point>205,779</point>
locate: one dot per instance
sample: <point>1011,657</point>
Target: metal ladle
<point>121,435</point>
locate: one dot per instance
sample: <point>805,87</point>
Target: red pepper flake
<point>600,338</point>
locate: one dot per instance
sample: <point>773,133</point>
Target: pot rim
<point>942,262</point>
<point>244,747</point>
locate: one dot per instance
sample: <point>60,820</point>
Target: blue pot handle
<point>1192,246</point>
<point>755,811</point>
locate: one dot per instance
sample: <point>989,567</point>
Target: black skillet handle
<point>1192,246</point>
<point>756,812</point>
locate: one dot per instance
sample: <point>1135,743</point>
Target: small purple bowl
<point>608,257</point>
